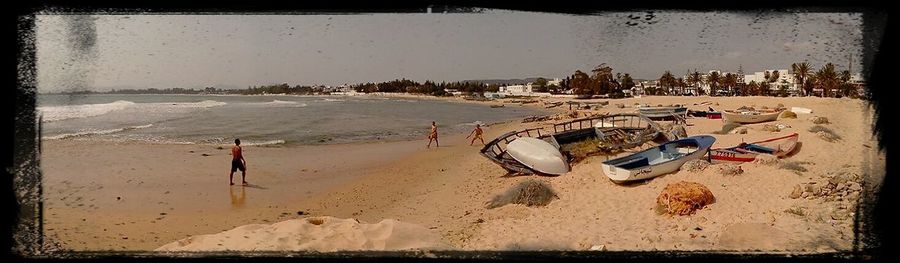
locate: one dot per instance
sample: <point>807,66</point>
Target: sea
<point>266,120</point>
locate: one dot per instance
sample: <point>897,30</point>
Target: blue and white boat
<point>665,158</point>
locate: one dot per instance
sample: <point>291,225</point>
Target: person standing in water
<point>477,133</point>
<point>433,136</point>
<point>238,162</point>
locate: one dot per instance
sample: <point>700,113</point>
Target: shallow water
<point>257,120</point>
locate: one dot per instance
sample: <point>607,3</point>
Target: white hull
<point>752,117</point>
<point>539,155</point>
<point>653,162</point>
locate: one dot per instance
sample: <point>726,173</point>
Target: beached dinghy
<point>662,112</point>
<point>539,155</point>
<point>751,116</point>
<point>656,161</point>
<point>746,152</point>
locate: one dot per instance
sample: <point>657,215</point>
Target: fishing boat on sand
<point>751,115</point>
<point>665,158</point>
<point>587,136</point>
<point>663,112</point>
<point>746,152</point>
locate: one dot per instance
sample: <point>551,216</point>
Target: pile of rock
<point>729,169</point>
<point>819,120</point>
<point>696,165</point>
<point>834,187</point>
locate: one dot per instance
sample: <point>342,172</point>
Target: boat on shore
<point>663,112</point>
<point>591,135</point>
<point>751,115</point>
<point>747,152</point>
<point>665,158</point>
<point>538,155</point>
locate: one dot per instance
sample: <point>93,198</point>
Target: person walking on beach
<point>433,136</point>
<point>477,133</point>
<point>238,162</point>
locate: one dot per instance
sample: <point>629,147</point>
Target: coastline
<point>444,189</point>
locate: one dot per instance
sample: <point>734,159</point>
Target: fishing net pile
<point>530,193</point>
<point>684,198</point>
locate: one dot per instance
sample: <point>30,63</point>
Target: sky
<point>102,52</point>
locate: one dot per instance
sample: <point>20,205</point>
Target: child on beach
<point>477,132</point>
<point>433,136</point>
<point>237,162</point>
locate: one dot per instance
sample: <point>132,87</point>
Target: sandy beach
<point>142,196</point>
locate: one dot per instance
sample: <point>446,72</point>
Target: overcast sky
<point>100,52</point>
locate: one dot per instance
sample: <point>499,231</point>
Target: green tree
<point>713,80</point>
<point>801,74</point>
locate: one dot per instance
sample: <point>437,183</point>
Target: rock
<point>695,165</point>
<point>598,248</point>
<point>780,106</point>
<point>205,154</point>
<point>620,105</point>
<point>730,169</point>
<point>796,193</point>
<point>840,214</point>
<point>787,115</point>
<point>804,195</point>
<point>819,120</point>
<point>300,213</point>
<point>854,186</point>
<point>739,130</point>
<point>839,179</point>
<point>828,137</point>
<point>766,159</point>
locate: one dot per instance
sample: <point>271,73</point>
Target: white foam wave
<point>334,100</point>
<point>95,132</point>
<point>201,104</point>
<point>57,113</point>
<point>265,143</point>
<point>280,103</point>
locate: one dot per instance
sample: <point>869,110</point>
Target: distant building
<point>527,89</point>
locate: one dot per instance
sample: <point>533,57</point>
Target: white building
<point>527,89</point>
<point>785,78</point>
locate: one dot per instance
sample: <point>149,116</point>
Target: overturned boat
<point>574,140</point>
<point>663,112</point>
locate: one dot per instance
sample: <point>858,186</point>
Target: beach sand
<point>131,196</point>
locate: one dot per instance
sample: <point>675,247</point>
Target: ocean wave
<point>334,100</point>
<point>201,104</point>
<point>96,132</point>
<point>472,123</point>
<point>280,103</point>
<point>265,143</point>
<point>57,113</point>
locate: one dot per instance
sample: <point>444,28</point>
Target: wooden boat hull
<point>662,112</point>
<point>779,147</point>
<point>753,117</point>
<point>653,162</point>
<point>538,155</point>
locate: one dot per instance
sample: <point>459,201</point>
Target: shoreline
<point>444,189</point>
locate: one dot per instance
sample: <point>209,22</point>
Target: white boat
<point>538,155</point>
<point>751,116</point>
<point>656,161</point>
<point>801,110</point>
<point>662,112</point>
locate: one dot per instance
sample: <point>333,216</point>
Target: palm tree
<point>713,81</point>
<point>801,74</point>
<point>694,79</point>
<point>681,83</point>
<point>730,81</point>
<point>845,86</point>
<point>827,79</point>
<point>667,80</point>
